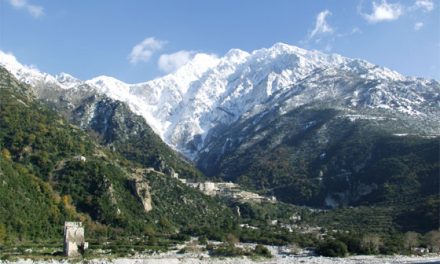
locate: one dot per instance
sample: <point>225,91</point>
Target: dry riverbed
<point>173,257</point>
<point>200,256</point>
<point>207,260</point>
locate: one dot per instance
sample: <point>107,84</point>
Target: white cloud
<point>384,12</point>
<point>418,26</point>
<point>321,25</point>
<point>34,10</point>
<point>144,50</point>
<point>171,62</point>
<point>426,5</point>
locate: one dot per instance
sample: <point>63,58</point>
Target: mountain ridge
<point>183,107</point>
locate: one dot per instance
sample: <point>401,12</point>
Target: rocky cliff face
<point>111,119</point>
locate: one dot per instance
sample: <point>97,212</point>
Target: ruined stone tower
<point>74,242</point>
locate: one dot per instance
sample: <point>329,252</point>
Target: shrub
<point>210,247</point>
<point>231,239</point>
<point>227,250</point>
<point>262,251</point>
<point>191,247</point>
<point>332,248</point>
<point>203,240</point>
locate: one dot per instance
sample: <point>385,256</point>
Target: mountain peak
<point>103,79</point>
<point>280,46</point>
<point>67,80</point>
<point>24,73</point>
<point>64,76</point>
<point>111,86</point>
<point>200,63</point>
<point>236,55</point>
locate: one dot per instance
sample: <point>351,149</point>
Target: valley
<point>240,156</point>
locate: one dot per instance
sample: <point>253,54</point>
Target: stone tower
<point>74,242</point>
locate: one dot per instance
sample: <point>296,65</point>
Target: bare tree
<point>432,240</point>
<point>411,240</point>
<point>371,243</point>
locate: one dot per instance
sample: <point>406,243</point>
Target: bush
<point>231,239</point>
<point>262,251</point>
<point>332,248</point>
<point>181,237</point>
<point>203,240</point>
<point>191,247</point>
<point>210,247</point>
<point>227,250</point>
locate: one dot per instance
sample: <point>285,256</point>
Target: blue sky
<point>136,40</point>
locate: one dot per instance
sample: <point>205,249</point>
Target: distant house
<point>420,250</point>
<point>80,158</point>
<point>74,242</point>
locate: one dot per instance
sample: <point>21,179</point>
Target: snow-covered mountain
<point>209,91</point>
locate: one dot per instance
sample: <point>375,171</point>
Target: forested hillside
<point>52,171</point>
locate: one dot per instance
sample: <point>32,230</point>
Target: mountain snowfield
<point>210,91</point>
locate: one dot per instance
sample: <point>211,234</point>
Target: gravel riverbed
<point>204,259</point>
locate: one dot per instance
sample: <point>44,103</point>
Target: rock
<point>141,189</point>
